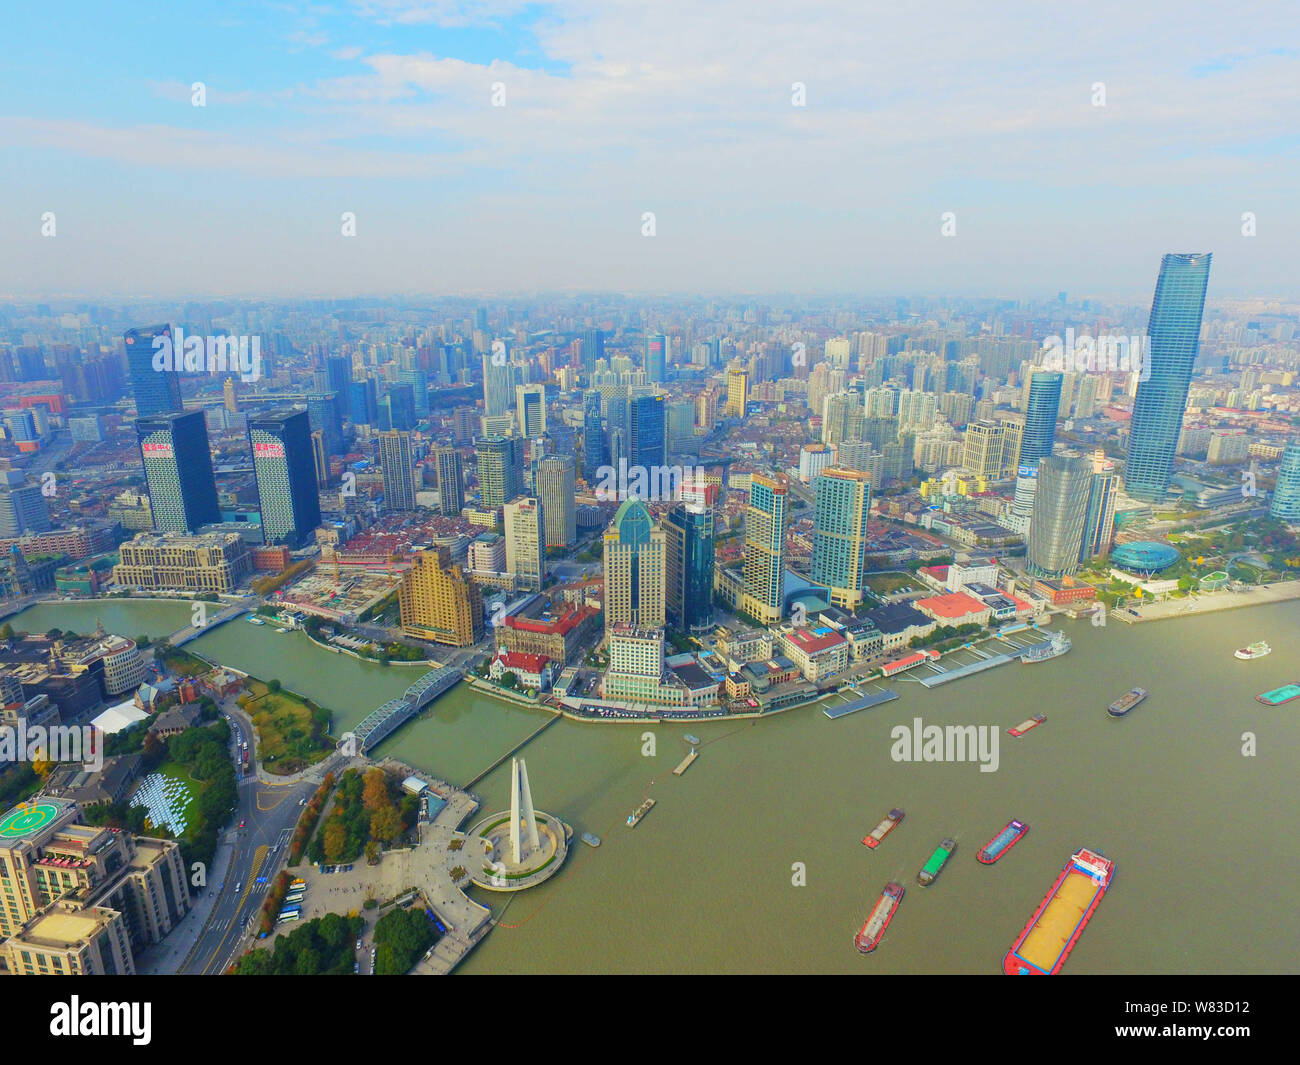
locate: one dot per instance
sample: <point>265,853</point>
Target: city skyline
<point>396,389</point>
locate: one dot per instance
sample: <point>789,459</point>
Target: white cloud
<point>685,109</point>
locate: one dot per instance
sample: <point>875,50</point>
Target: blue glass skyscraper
<point>593,436</point>
<point>1286,495</point>
<point>647,419</point>
<point>656,357</point>
<point>338,371</point>
<point>1040,417</point>
<point>593,348</point>
<point>690,562</point>
<point>1173,340</point>
<point>155,391</point>
<point>323,414</point>
<point>363,402</point>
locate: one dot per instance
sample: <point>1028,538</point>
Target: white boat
<point>1255,650</point>
<point>1058,645</point>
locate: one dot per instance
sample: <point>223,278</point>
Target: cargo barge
<point>887,825</point>
<point>1025,726</point>
<point>1281,695</point>
<point>685,763</point>
<point>591,839</point>
<point>1126,702</point>
<point>634,818</point>
<point>873,929</point>
<point>1054,929</point>
<point>995,848</point>
<point>937,861</point>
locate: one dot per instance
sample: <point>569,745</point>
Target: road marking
<point>259,856</point>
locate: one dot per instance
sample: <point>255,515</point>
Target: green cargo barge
<point>937,861</point>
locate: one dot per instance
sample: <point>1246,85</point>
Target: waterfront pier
<point>513,750</point>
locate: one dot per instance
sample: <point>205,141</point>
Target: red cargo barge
<point>887,825</point>
<point>1046,941</point>
<point>873,929</point>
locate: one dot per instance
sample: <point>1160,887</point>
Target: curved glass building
<point>1173,340</point>
<point>1147,557</point>
<point>1040,416</point>
<point>1060,511</point>
<point>1286,496</point>
<point>689,529</point>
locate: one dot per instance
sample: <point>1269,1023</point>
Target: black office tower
<point>178,467</point>
<point>286,476</point>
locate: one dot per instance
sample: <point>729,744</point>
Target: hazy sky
<point>613,108</point>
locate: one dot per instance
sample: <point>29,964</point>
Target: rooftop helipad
<point>29,819</point>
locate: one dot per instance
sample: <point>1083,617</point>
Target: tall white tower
<point>520,794</point>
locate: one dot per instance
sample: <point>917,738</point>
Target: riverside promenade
<point>1207,602</point>
<point>437,867</point>
<point>430,865</point>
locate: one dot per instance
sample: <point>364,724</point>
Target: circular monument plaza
<point>498,866</point>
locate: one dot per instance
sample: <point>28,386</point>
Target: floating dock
<point>971,668</point>
<point>875,698</point>
<point>685,763</point>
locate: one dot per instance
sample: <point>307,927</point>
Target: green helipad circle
<point>23,822</point>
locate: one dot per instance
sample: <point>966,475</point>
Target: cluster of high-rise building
<point>812,414</point>
<point>81,900</point>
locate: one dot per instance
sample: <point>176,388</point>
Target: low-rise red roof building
<point>954,608</point>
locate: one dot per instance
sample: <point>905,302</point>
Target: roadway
<point>269,813</point>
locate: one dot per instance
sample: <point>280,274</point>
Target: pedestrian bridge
<point>383,721</point>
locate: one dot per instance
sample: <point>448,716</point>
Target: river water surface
<point>1205,838</point>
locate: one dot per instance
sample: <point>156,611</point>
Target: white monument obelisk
<point>520,794</point>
